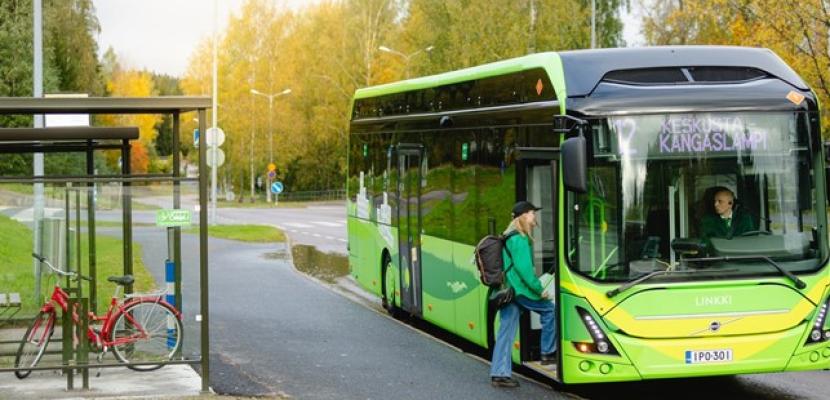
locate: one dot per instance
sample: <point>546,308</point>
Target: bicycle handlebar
<point>59,271</point>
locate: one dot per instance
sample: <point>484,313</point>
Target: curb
<point>344,286</point>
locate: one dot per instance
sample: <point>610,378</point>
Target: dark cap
<point>523,207</point>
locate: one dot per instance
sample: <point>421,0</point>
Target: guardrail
<point>314,195</point>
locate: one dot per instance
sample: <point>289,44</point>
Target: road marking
<point>293,230</point>
<point>343,240</point>
<point>342,221</point>
<point>316,235</point>
<point>326,223</point>
<point>298,225</point>
<point>330,238</point>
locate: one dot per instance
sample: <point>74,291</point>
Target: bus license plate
<point>708,356</point>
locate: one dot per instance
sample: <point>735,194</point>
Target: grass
<point>244,233</point>
<point>16,266</point>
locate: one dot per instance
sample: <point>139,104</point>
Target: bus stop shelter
<point>88,140</point>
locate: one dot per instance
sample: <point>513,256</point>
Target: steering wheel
<point>756,233</point>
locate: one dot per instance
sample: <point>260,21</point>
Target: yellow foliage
<point>795,30</point>
<point>132,83</point>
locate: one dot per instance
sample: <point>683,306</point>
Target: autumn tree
<point>795,30</point>
<point>326,51</point>
<point>69,63</point>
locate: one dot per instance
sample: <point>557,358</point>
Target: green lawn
<point>244,233</point>
<point>16,266</point>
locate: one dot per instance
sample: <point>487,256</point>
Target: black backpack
<point>490,261</point>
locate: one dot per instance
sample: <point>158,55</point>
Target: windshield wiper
<point>798,282</point>
<point>630,284</point>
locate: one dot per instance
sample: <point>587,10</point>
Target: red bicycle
<point>141,328</point>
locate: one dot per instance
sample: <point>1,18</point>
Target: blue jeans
<point>501,364</point>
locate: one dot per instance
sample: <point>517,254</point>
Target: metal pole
<point>593,24</point>
<point>270,142</point>
<point>90,210</point>
<point>252,163</point>
<point>127,213</point>
<point>203,265</point>
<point>177,204</point>
<point>213,147</point>
<point>37,208</point>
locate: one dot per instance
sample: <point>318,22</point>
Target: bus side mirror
<point>575,164</point>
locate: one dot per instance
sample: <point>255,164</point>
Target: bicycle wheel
<point>146,332</point>
<point>34,343</point>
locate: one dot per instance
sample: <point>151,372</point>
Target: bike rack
<point>87,140</point>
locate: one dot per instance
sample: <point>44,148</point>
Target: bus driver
<point>726,221</point>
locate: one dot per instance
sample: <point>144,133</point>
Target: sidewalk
<point>171,381</point>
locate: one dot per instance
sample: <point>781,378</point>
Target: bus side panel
<point>361,241</point>
<point>438,282</point>
<point>470,295</point>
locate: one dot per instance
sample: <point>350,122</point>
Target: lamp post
<point>406,57</point>
<point>270,97</point>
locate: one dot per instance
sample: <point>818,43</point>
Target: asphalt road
<point>274,330</point>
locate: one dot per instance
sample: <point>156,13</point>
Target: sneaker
<point>503,381</point>
<point>548,359</point>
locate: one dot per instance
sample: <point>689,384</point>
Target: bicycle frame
<point>115,310</point>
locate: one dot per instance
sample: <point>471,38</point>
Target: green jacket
<point>715,226</point>
<point>522,276</point>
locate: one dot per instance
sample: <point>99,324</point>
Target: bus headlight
<point>818,332</point>
<point>600,344</point>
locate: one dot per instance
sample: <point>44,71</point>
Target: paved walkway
<point>170,381</point>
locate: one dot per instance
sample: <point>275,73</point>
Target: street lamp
<point>406,57</point>
<point>270,97</point>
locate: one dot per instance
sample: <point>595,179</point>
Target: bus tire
<point>388,286</point>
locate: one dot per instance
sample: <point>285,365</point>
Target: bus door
<point>536,182</point>
<point>409,225</point>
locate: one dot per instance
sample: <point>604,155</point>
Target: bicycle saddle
<point>122,280</point>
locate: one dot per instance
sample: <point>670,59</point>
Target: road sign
<point>276,187</point>
<point>165,218</point>
<point>215,137</point>
<point>272,167</point>
<point>272,174</point>
<point>196,137</point>
<point>218,157</point>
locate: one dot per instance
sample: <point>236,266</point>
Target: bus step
<point>548,370</point>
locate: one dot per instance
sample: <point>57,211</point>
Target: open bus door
<point>536,182</point>
<point>409,225</point>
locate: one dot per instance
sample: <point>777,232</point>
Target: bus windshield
<point>724,187</point>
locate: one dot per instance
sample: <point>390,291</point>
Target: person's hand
<point>545,295</point>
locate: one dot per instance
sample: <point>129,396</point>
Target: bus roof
<point>582,70</point>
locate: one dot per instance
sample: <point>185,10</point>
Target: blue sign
<point>196,137</point>
<point>272,174</point>
<point>276,187</point>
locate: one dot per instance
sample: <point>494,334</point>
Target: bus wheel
<point>390,284</point>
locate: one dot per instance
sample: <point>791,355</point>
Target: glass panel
<point>540,192</point>
<point>663,188</point>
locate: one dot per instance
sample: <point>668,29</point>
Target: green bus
<point>625,150</point>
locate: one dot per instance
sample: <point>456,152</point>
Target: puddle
<point>324,266</point>
<point>277,255</point>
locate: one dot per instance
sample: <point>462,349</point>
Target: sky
<point>160,35</point>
